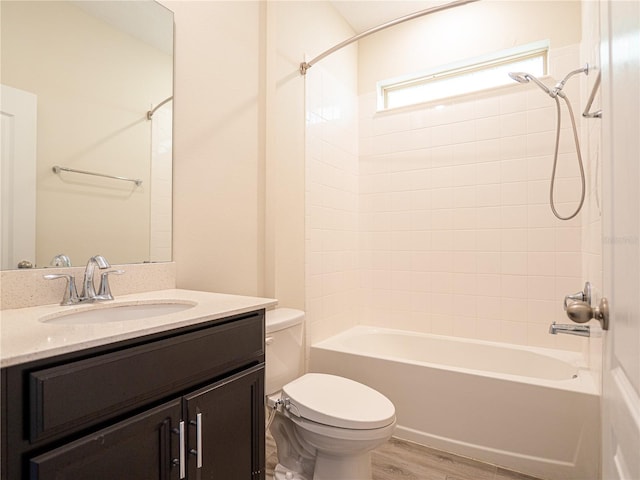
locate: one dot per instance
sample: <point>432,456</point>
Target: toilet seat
<point>338,402</point>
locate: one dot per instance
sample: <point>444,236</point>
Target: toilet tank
<point>284,347</point>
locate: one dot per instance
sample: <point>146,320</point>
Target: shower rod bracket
<point>153,110</point>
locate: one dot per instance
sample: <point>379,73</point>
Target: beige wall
<point>86,123</point>
<point>284,222</point>
<point>239,186</point>
<point>464,32</point>
<point>218,184</point>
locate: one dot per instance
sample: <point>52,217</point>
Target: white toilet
<point>324,426</point>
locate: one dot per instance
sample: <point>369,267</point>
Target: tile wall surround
<point>455,232</point>
<point>331,226</point>
<point>437,220</point>
<point>27,288</point>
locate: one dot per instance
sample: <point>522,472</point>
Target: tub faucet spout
<point>580,330</point>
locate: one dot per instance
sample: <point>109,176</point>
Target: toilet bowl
<point>324,426</point>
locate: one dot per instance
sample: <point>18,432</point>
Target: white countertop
<point>24,337</point>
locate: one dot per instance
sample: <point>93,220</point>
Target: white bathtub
<point>532,410</point>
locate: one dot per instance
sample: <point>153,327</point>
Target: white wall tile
<point>488,307</point>
<point>514,170</point>
<point>513,124</point>
<point>514,286</point>
<point>513,147</point>
<point>487,128</point>
<point>541,120</point>
<point>488,285</point>
<point>513,263</point>
<point>463,132</point>
<point>513,102</point>
<point>488,195</point>
<point>454,232</point>
<point>489,262</point>
<point>513,240</point>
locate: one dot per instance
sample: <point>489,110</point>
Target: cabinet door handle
<point>182,454</point>
<point>199,439</point>
<point>198,450</point>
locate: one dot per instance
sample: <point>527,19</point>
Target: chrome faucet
<point>580,330</point>
<point>88,294</point>
<point>61,260</point>
<point>88,289</point>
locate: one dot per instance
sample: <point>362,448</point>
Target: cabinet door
<point>226,428</point>
<point>141,447</point>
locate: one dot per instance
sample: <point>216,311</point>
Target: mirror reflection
<point>85,168</point>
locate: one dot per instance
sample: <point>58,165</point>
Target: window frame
<point>458,69</point>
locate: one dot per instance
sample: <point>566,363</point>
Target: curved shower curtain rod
<point>304,66</point>
<point>152,111</point>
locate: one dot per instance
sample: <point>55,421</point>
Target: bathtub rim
<point>583,383</point>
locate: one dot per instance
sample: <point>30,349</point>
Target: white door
<point>17,177</point>
<point>620,21</point>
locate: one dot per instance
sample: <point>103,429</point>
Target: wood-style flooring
<point>402,460</point>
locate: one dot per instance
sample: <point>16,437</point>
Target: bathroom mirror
<point>78,81</point>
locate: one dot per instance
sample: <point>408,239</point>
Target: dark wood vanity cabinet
<point>185,404</point>
<point>222,421</point>
<point>137,448</point>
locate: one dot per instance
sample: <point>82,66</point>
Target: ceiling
<point>365,14</point>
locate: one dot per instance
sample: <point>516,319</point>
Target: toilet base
<point>329,467</point>
<point>353,467</point>
<point>282,473</point>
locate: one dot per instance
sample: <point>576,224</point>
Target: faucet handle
<point>582,296</point>
<point>581,312</point>
<point>70,296</point>
<point>104,292</point>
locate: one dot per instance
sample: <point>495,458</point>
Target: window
<point>466,77</point>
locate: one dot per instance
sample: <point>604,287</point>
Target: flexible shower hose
<point>555,159</point>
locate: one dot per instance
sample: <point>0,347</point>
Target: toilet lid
<point>338,402</point>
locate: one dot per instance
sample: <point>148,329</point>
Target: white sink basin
<point>118,313</point>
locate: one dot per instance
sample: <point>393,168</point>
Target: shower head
<point>523,77</point>
<point>520,77</point>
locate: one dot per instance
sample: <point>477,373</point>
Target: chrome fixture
<point>583,296</point>
<point>153,110</point>
<point>554,93</point>
<point>304,66</point>
<point>60,260</point>
<point>579,310</point>
<point>70,296</point>
<point>104,292</point>
<point>57,169</point>
<point>580,330</point>
<point>522,77</point>
<point>88,294</point>
<point>88,289</point>
<point>557,90</point>
<point>598,113</point>
<point>582,312</point>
